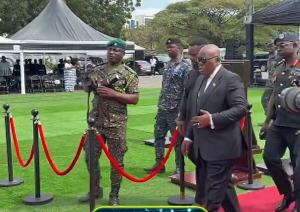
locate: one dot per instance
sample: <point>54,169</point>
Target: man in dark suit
<point>214,133</point>
<point>185,114</point>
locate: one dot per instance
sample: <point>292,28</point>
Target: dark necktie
<point>201,90</point>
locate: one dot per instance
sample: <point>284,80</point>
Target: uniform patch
<point>295,72</point>
<point>281,36</point>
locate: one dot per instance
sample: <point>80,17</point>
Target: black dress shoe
<point>285,204</point>
<point>295,209</point>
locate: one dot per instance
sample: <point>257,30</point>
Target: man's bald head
<point>210,50</point>
<point>209,59</point>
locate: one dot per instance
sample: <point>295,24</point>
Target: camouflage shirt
<point>173,84</point>
<point>109,112</point>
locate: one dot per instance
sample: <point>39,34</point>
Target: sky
<point>151,7</point>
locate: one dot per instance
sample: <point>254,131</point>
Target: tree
<point>144,36</point>
<point>216,20</point>
<point>106,16</point>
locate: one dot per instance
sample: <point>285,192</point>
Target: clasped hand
<point>106,92</point>
<point>202,121</point>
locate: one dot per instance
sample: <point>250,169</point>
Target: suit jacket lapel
<point>212,86</point>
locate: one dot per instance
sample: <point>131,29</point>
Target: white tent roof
<point>4,39</point>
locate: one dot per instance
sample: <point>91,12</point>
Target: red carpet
<point>264,200</point>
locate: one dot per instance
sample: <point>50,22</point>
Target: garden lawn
<point>63,118</point>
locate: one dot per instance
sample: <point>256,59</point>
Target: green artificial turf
<point>63,118</point>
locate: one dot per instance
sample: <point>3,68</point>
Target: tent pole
<point>251,56</point>
<point>85,62</point>
<point>250,49</point>
<point>22,70</point>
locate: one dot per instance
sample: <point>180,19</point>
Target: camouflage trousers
<point>165,121</point>
<point>115,138</point>
<point>266,97</point>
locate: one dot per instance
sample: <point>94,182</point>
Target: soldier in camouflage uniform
<point>272,61</point>
<point>173,83</point>
<point>110,113</point>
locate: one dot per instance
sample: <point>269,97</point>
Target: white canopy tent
<point>4,39</point>
<point>56,30</point>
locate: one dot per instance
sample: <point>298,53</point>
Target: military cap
<point>173,41</point>
<point>117,43</point>
<point>287,36</point>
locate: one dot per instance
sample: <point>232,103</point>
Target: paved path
<point>148,82</point>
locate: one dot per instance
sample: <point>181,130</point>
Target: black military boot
<point>86,198</point>
<point>113,200</point>
<point>285,203</point>
<point>156,165</point>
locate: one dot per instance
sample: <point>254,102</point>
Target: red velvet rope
<point>15,139</point>
<point>243,123</point>
<point>129,177</point>
<point>50,160</point>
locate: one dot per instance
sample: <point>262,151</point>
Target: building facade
<point>131,24</point>
<point>139,20</point>
<point>143,19</point>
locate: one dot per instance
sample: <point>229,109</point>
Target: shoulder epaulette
<point>279,63</point>
<point>129,69</point>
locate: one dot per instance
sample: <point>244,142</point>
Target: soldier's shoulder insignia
<point>279,63</point>
<point>127,68</point>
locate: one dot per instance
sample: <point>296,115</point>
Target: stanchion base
<point>176,200</point>
<point>32,200</point>
<point>14,182</point>
<point>254,186</point>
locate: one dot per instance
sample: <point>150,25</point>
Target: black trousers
<point>278,139</point>
<point>266,98</point>
<point>153,71</point>
<point>200,197</point>
<point>220,190</point>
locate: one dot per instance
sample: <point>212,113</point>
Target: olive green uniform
<point>272,62</point>
<point>282,133</point>
<point>111,121</point>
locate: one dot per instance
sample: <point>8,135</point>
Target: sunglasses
<point>204,60</point>
<point>282,45</point>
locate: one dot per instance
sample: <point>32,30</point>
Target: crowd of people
<point>67,70</point>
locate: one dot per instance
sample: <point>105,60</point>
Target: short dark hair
<point>199,41</point>
<point>74,61</point>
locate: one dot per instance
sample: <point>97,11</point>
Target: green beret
<point>117,43</point>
